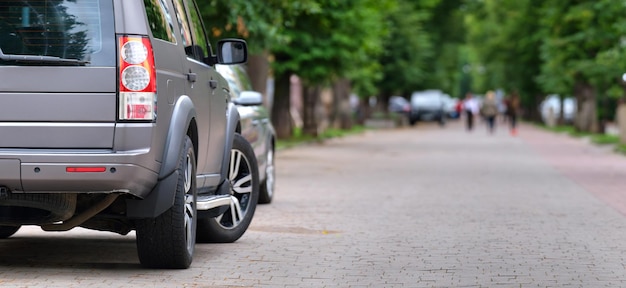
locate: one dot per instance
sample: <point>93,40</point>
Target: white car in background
<point>428,105</point>
<point>552,104</point>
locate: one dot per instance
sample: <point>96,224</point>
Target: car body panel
<point>256,126</point>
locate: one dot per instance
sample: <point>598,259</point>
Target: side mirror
<point>249,98</point>
<point>232,51</point>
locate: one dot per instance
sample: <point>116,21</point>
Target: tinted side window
<point>199,34</point>
<point>160,20</point>
<point>185,31</point>
<point>192,30</point>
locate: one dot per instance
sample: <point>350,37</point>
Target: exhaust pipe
<point>82,217</point>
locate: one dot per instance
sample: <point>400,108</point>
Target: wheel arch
<point>233,126</point>
<point>192,132</point>
<point>182,123</point>
<point>161,198</point>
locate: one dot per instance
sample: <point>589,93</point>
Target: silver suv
<point>428,105</point>
<point>113,118</point>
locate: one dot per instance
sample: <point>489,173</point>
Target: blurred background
<point>324,64</point>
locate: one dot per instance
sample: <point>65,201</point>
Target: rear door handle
<point>213,84</point>
<point>191,77</point>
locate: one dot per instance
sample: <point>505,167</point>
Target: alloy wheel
<point>240,178</point>
<point>189,203</point>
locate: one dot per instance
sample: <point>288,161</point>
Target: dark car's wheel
<point>266,192</point>
<point>244,181</point>
<point>442,119</point>
<point>168,240</point>
<point>8,231</point>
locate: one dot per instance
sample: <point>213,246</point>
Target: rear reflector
<point>85,169</point>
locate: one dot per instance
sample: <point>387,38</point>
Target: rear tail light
<point>137,88</point>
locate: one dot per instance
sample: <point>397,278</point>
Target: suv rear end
<point>59,111</point>
<point>427,105</point>
<point>81,141</point>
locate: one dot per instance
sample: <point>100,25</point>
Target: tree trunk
<point>258,69</point>
<point>586,118</point>
<point>383,101</point>
<point>561,120</point>
<point>309,116</point>
<point>281,117</point>
<point>529,109</point>
<point>341,114</point>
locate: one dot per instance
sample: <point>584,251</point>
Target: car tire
<point>266,191</point>
<point>8,231</point>
<point>243,174</point>
<point>168,240</point>
<point>442,120</point>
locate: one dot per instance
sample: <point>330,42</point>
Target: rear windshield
<point>68,29</point>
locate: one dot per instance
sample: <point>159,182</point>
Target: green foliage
<point>391,47</point>
<point>338,40</point>
<point>561,129</point>
<point>621,148</point>
<point>604,139</point>
<point>369,26</point>
<point>261,23</point>
<point>447,31</point>
<point>584,43</point>
<point>406,50</point>
<point>300,138</point>
<point>504,38</point>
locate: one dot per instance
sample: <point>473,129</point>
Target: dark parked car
<point>428,105</point>
<point>399,104</point>
<point>86,141</point>
<point>256,126</point>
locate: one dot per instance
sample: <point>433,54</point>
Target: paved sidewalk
<point>417,207</point>
<point>597,168</point>
<point>431,207</point>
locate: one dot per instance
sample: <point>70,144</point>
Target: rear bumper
<point>46,172</point>
<point>426,114</point>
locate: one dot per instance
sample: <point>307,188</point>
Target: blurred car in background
<point>428,105</point>
<point>450,106</point>
<point>552,105</point>
<point>399,104</point>
<point>256,126</point>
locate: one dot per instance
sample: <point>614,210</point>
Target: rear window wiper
<point>36,59</point>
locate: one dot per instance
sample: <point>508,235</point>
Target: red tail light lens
<point>137,88</point>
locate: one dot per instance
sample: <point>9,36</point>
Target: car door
<point>203,87</point>
<point>254,114</point>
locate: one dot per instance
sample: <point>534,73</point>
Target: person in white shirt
<point>471,108</point>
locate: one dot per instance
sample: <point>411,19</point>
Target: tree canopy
<point>399,46</point>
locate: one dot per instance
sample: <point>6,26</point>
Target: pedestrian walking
<point>471,109</point>
<point>512,111</point>
<point>489,110</point>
